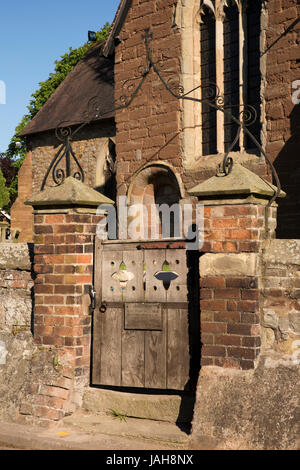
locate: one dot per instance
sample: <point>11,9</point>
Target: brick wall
<point>230,331</point>
<point>21,215</point>
<point>229,283</point>
<point>63,264</point>
<point>148,129</point>
<point>282,115</point>
<point>236,228</point>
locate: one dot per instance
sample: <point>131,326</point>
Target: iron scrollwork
<point>215,100</point>
<point>65,152</point>
<point>211,96</point>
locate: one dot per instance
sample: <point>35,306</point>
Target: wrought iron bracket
<point>130,89</point>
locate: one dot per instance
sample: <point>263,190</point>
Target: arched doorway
<point>154,198</point>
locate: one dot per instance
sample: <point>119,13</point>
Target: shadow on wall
<point>287,165</point>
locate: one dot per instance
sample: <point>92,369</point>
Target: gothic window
<point>230,58</point>
<point>208,79</point>
<point>253,68</point>
<point>231,75</point>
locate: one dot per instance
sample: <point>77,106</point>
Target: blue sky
<point>33,34</point>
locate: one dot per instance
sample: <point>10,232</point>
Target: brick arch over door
<point>153,185</point>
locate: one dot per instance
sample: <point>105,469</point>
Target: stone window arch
<point>221,40</point>
<point>154,185</point>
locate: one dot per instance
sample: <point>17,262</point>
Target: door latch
<point>103,307</point>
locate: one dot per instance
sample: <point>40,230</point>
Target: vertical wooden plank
<point>110,364</point>
<point>178,358</point>
<point>133,358</point>
<point>111,291</point>
<point>96,348</point>
<point>98,269</point>
<point>177,291</point>
<point>155,357</point>
<point>155,291</point>
<point>134,261</point>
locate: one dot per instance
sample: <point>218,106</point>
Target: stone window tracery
<point>225,40</point>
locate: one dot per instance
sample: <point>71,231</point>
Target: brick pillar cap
<point>240,181</point>
<point>70,193</point>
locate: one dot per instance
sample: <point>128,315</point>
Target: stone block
<point>229,264</point>
<point>15,256</point>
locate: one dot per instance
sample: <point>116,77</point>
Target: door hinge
<point>93,300</point>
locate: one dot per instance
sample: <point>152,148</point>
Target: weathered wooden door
<point>144,331</point>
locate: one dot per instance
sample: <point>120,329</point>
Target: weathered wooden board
<point>111,291</point>
<point>177,291</point>
<point>110,344</point>
<point>142,316</point>
<point>155,358</point>
<point>178,358</point>
<point>133,359</point>
<point>134,291</point>
<point>155,291</point>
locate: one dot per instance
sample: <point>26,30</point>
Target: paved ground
<point>90,431</point>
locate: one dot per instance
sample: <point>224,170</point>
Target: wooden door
<point>142,329</point>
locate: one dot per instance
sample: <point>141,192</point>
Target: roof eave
<point>120,17</point>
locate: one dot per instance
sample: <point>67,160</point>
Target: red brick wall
<point>151,123</point>
<point>21,215</point>
<point>63,264</point>
<point>282,116</point>
<point>230,331</point>
<point>229,303</point>
<point>236,228</point>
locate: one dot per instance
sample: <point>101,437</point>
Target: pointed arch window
<point>253,15</point>
<point>231,75</point>
<point>230,57</point>
<point>208,79</point>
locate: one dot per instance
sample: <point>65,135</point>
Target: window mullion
<point>243,56</point>
<point>220,81</point>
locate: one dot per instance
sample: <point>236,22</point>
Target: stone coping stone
<point>239,181</point>
<point>71,192</point>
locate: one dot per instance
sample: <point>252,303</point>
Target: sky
<point>33,34</point>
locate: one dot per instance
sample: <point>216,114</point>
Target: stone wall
<point>16,344</point>
<point>16,285</point>
<point>280,297</point>
<point>247,410</point>
<point>90,147</point>
<point>250,409</point>
<point>35,383</point>
<point>87,146</point>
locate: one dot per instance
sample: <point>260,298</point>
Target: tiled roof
<point>92,76</point>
